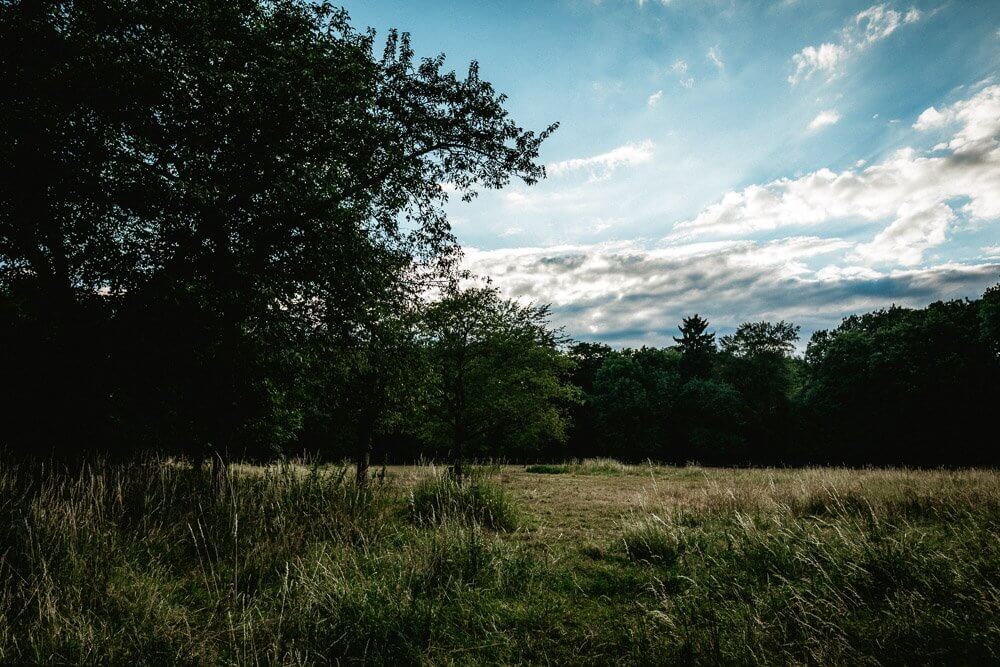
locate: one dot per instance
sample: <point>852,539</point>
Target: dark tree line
<point>897,386</point>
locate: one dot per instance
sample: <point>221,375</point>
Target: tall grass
<point>478,500</point>
<point>827,576</point>
<point>144,563</point>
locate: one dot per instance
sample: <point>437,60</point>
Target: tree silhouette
<point>696,346</point>
<point>252,171</point>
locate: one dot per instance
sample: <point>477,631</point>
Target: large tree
<point>496,374</point>
<point>250,170</point>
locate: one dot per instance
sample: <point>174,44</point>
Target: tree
<point>633,402</point>
<point>900,385</point>
<point>756,361</point>
<point>249,169</point>
<point>496,374</point>
<point>381,380</point>
<point>989,319</point>
<point>587,358</point>
<point>757,338</point>
<point>697,347</point>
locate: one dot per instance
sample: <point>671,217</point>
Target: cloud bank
<point>722,264</point>
<point>920,193</point>
<point>627,295</point>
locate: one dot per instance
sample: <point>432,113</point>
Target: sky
<point>778,159</point>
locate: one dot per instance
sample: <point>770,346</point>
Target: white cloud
<point>823,58</point>
<point>909,189</point>
<point>602,165</point>
<point>911,234</point>
<point>824,118</point>
<point>861,31</point>
<point>991,252</point>
<point>627,294</point>
<point>654,99</point>
<point>715,56</point>
<point>978,116</point>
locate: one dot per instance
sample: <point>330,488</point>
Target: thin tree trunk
<point>366,426</point>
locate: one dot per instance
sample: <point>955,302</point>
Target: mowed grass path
<point>580,563</point>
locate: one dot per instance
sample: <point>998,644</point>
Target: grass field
<point>582,563</point>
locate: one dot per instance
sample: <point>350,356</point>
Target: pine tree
<point>696,347</point>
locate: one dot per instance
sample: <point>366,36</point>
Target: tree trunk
<point>370,390</point>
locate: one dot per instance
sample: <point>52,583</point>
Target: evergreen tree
<point>696,346</point>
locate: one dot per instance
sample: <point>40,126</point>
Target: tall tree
<point>757,362</point>
<point>697,347</point>
<point>250,169</point>
<point>757,338</point>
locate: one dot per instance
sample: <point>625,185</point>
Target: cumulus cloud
<point>654,99</point>
<point>909,236</point>
<point>861,31</point>
<point>602,165</point>
<point>909,188</point>
<point>626,294</point>
<point>824,118</point>
<point>722,264</point>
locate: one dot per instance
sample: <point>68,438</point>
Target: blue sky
<point>745,160</point>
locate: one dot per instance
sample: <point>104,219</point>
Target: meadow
<point>591,562</point>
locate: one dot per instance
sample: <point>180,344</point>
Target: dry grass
<point>609,564</point>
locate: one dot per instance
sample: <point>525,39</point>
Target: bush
<point>584,467</point>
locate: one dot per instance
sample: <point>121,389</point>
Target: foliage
<point>753,339</point>
<point>496,375</point>
<point>696,347</point>
<point>240,185</point>
<point>896,386</point>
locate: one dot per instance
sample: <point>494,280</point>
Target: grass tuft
<point>480,501</point>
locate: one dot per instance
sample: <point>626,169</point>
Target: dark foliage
<point>893,387</point>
